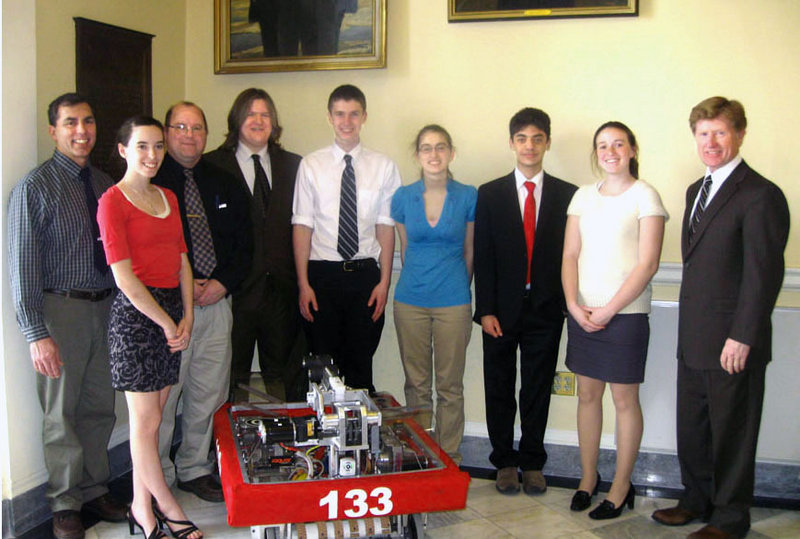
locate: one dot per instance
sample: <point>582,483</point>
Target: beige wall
<point>646,71</point>
<point>471,77</point>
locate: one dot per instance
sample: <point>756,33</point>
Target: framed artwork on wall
<point>493,10</point>
<point>298,35</point>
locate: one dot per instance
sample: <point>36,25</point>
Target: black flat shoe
<point>581,500</point>
<point>606,509</point>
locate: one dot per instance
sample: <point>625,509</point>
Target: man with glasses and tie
<point>265,308</point>
<point>735,229</point>
<point>519,303</point>
<point>344,240</point>
<point>62,291</point>
<point>216,226</point>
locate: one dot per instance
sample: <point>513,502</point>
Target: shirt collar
<point>722,173</point>
<point>65,162</point>
<point>521,179</point>
<point>243,153</point>
<point>339,153</point>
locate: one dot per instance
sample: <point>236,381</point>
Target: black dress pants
<point>343,326</point>
<point>537,335</point>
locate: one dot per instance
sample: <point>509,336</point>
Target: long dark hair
<point>238,114</point>
<point>633,166</point>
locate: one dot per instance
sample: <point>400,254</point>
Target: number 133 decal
<point>378,503</point>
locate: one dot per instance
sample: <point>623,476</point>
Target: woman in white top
<point>612,246</point>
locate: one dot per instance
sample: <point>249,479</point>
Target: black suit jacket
<point>226,208</point>
<point>732,270</point>
<point>501,255</point>
<point>276,255</point>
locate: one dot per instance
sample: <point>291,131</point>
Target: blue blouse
<point>434,272</point>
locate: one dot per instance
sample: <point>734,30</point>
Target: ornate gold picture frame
<point>253,36</point>
<point>493,10</point>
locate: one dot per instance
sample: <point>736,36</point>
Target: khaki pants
<point>78,406</point>
<point>434,341</point>
<point>203,384</point>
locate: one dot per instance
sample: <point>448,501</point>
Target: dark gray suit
<point>732,273</point>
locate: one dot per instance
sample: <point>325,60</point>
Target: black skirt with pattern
<point>137,347</point>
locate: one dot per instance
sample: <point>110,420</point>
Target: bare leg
<point>148,477</point>
<point>629,436</point>
<point>590,425</point>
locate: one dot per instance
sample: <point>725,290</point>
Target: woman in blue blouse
<point>432,303</point>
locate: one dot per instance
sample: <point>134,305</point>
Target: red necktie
<point>529,222</point>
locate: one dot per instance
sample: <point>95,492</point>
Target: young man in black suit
<point>265,312</point>
<point>519,239</point>
<point>735,229</point>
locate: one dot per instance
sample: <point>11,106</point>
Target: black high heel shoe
<point>155,534</point>
<point>188,526</point>
<point>581,500</point>
<point>606,509</point>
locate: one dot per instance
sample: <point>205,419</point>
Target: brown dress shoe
<point>67,525</point>
<point>674,516</point>
<point>507,481</point>
<point>533,482</point>
<point>709,532</point>
<point>107,508</point>
<point>204,487</point>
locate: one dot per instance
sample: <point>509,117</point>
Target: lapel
<point>545,210</point>
<point>509,193</point>
<point>720,200</point>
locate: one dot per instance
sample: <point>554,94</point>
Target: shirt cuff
<point>35,333</point>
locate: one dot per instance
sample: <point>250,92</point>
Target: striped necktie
<point>347,244</point>
<point>701,206</point>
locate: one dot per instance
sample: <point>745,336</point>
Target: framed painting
<point>493,10</point>
<point>298,35</point>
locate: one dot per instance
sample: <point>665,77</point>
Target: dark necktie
<point>347,244</point>
<point>91,203</point>
<point>529,223</point>
<point>202,245</point>
<point>261,189</point>
<point>701,206</point>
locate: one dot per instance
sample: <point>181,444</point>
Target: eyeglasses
<point>439,148</point>
<point>186,130</point>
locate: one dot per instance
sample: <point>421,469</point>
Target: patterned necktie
<point>347,244</point>
<point>701,206</point>
<point>261,188</point>
<point>98,255</point>
<point>202,245</point>
<point>529,222</point>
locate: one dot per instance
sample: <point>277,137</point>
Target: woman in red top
<point>151,319</point>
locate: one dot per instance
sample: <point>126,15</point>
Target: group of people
<point>250,246</point>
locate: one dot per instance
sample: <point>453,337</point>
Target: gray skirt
<point>616,354</point>
<point>137,347</point>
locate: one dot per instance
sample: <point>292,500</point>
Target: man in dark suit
<point>265,311</point>
<point>217,230</point>
<point>735,229</point>
<point>519,239</point>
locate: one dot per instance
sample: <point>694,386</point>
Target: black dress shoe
<point>607,510</point>
<point>204,487</point>
<point>581,500</point>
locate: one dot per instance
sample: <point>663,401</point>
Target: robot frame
<point>342,464</point>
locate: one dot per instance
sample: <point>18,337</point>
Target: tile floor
<point>491,515</point>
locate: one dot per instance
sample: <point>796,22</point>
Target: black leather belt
<point>88,295</point>
<point>346,266</point>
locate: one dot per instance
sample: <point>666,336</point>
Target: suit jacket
<point>501,255</point>
<point>225,204</point>
<point>732,270</point>
<point>273,236</point>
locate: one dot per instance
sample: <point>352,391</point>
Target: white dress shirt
<point>318,190</point>
<point>244,156</point>
<point>522,191</point>
<point>718,177</point>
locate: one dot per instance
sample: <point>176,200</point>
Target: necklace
<point>141,199</point>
